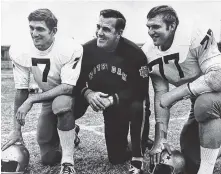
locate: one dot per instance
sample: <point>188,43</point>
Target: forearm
<point>161,114</point>
<point>170,98</point>
<point>62,89</point>
<point>21,96</point>
<point>204,84</point>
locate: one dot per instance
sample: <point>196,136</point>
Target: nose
<point>150,31</point>
<point>34,33</point>
<point>100,32</point>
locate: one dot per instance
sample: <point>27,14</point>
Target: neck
<point>168,44</point>
<point>114,46</point>
<point>46,46</point>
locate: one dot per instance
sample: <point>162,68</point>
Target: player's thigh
<point>80,106</point>
<point>47,125</point>
<point>213,78</point>
<point>208,106</point>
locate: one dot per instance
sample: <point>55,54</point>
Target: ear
<point>54,30</point>
<point>173,26</point>
<point>120,32</point>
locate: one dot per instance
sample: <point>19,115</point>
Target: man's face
<point>107,36</point>
<point>41,35</point>
<point>158,31</point>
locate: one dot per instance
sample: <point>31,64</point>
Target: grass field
<point>91,155</point>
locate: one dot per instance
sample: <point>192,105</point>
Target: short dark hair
<point>109,13</point>
<point>219,46</point>
<point>168,13</point>
<point>46,15</point>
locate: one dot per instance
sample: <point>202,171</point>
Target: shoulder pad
<point>19,54</point>
<point>67,47</point>
<point>201,33</point>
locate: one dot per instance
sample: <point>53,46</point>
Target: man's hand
<point>14,136</point>
<point>155,152</point>
<point>22,111</point>
<point>97,100</point>
<point>107,102</point>
<point>160,144</point>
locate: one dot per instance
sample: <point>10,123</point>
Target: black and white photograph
<point>110,87</point>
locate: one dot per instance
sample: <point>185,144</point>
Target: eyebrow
<point>104,27</point>
<point>38,27</point>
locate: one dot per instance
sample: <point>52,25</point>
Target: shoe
<point>122,158</point>
<point>136,167</point>
<point>67,168</point>
<point>147,145</point>
<point>77,139</point>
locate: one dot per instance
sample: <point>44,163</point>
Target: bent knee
<point>207,106</point>
<point>62,104</point>
<point>213,78</point>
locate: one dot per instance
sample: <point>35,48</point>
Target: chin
<point>37,46</point>
<point>100,45</point>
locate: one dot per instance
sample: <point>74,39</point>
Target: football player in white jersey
<point>55,63</point>
<point>191,61</point>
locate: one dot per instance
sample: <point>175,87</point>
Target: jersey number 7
<point>47,63</point>
<point>36,61</point>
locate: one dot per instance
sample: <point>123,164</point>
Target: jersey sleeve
<point>71,70</point>
<point>204,47</point>
<point>203,44</point>
<point>20,71</point>
<point>19,53</point>
<point>21,76</point>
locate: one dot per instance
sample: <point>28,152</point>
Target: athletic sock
<point>208,160</point>
<point>137,159</point>
<point>137,162</point>
<point>67,145</point>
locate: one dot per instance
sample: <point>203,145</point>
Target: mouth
<point>154,38</point>
<point>36,39</point>
<point>101,40</point>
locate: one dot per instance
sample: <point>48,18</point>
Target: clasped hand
<point>98,101</point>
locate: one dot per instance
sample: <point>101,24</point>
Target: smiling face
<point>41,35</point>
<point>161,34</point>
<point>107,36</point>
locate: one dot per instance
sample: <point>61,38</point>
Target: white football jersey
<point>60,63</point>
<point>190,56</point>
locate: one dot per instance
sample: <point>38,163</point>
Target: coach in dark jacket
<point>114,79</point>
